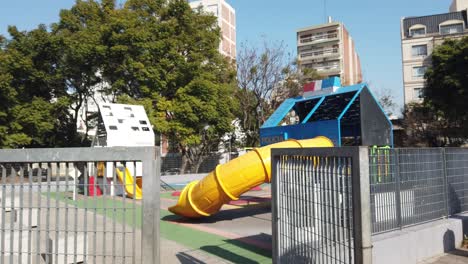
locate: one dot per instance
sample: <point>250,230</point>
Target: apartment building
<point>330,50</point>
<point>419,36</point>
<point>226,20</point>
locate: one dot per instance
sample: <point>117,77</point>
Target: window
<point>420,31</point>
<point>135,128</point>
<point>418,93</point>
<point>120,121</point>
<point>143,122</point>
<point>128,108</point>
<point>419,71</point>
<point>113,127</point>
<point>145,129</point>
<point>419,50</point>
<point>451,29</point>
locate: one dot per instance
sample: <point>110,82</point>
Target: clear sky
<point>373,24</point>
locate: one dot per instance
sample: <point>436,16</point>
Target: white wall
<point>458,5</point>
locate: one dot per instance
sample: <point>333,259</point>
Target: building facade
<point>330,50</point>
<point>226,21</point>
<point>419,36</point>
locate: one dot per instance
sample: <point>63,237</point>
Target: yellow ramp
<point>228,181</point>
<point>132,190</point>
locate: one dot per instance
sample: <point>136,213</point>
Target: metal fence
<point>321,205</point>
<point>71,205</point>
<point>415,185</point>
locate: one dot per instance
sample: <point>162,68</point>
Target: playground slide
<point>130,188</point>
<point>228,181</point>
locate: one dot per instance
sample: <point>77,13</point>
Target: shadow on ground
<point>224,215</point>
<point>185,258</point>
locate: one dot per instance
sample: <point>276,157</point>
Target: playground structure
<point>121,125</point>
<point>230,180</point>
<point>327,115</point>
<point>349,116</point>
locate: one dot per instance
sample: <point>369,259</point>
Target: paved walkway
<point>458,256</point>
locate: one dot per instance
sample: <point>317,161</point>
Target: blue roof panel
<point>280,113</point>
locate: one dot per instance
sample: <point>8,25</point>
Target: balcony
<point>319,53</point>
<point>319,38</point>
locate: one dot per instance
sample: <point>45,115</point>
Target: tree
<point>165,56</point>
<point>446,88</point>
<point>425,126</point>
<point>35,106</point>
<point>157,53</point>
<point>266,78</point>
<point>387,101</point>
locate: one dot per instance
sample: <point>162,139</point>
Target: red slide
<point>93,188</point>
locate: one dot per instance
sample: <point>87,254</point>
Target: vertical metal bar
<point>150,233</point>
<point>39,211</point>
<point>275,207</point>
<point>95,212</point>
<point>85,216</point>
<point>48,247</point>
<point>114,183</point>
<point>349,207</point>
<point>396,154</point>
<point>30,207</point>
<point>445,181</point>
<point>75,186</point>
<point>124,211</point>
<point>105,204</point>
<point>13,212</point>
<point>57,210</point>
<point>67,212</point>
<point>4,182</point>
<point>321,204</point>
<point>21,214</point>
<point>134,212</point>
<point>361,208</point>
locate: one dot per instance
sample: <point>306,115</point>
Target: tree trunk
<point>185,163</point>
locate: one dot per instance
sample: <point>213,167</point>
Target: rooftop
<point>432,22</point>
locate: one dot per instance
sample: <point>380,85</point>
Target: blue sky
<point>374,25</point>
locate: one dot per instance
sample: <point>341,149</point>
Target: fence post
<point>398,188</point>
<point>446,187</point>
<point>150,247</point>
<point>274,207</point>
<point>361,205</point>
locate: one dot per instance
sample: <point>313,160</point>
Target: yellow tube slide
<point>130,188</point>
<point>228,181</point>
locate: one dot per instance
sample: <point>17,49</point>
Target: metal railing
<point>415,185</point>
<point>319,53</point>
<point>320,207</point>
<point>71,206</point>
<point>319,37</point>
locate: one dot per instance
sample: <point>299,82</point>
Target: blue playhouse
<point>349,116</point>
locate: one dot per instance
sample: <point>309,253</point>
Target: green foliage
<point>34,109</point>
<point>156,53</point>
<point>442,119</point>
<point>447,83</point>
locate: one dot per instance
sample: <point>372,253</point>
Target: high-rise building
<point>330,50</point>
<point>226,20</point>
<point>419,36</point>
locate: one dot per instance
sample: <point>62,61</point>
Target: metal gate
<point>79,205</point>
